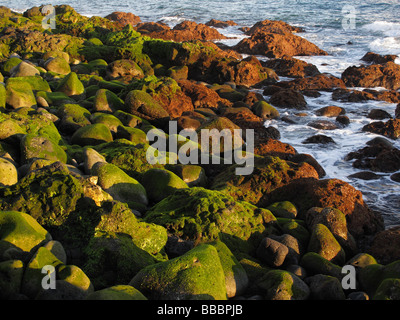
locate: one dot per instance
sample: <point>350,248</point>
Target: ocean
<point>345,29</point>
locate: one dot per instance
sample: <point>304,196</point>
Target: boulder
<point>8,173</point>
<point>92,135</point>
<point>57,65</point>
<point>288,98</point>
<point>291,67</point>
<point>390,128</point>
<point>24,69</point>
<point>325,287</point>
<point>124,18</point>
<point>118,292</point>
<point>185,277</point>
<point>71,86</point>
<point>330,111</point>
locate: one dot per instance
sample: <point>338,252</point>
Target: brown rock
<point>378,114</point>
<point>291,67</point>
<point>397,112</point>
<point>273,26</point>
<point>378,75</point>
<point>220,24</point>
<point>124,70</point>
<point>375,58</point>
<point>275,148</point>
<point>149,27</point>
<point>323,125</point>
<point>321,82</point>
<point>308,193</point>
<point>330,111</point>
<point>390,129</point>
<point>276,45</point>
<point>385,246</point>
<point>288,98</point>
<point>124,18</point>
<point>349,95</point>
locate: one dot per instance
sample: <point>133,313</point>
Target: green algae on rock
<point>119,292</point>
<point>196,275</point>
<point>92,135</point>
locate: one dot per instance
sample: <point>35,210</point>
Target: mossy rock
<point>92,135</point>
<point>55,54</point>
<point>9,64</point>
<point>142,104</point>
<point>283,285</point>
<point>73,117</point>
<point>196,275</point>
<point>203,215</point>
<point>76,277</point>
<point>192,175</point>
<point>109,120</point>
<point>37,146</point>
<point>24,69</point>
<point>8,173</point>
<point>178,72</point>
<point>361,260</point>
<point>55,98</point>
<point>11,272</point>
<point>33,276</point>
<point>389,289</point>
<point>284,209</point>
<point>296,230</point>
<point>324,243</point>
<point>106,100</point>
<point>3,96</point>
<point>265,111</point>
<point>57,65</point>
<point>127,156</point>
<point>71,86</point>
<point>112,258</point>
<point>130,120</point>
<point>37,83</point>
<point>20,231</point>
<point>315,264</point>
<point>119,293</point>
<point>236,279</point>
<point>20,95</point>
<point>160,183</point>
<point>118,184</point>
<point>91,157</point>
<point>10,131</point>
<point>134,135</point>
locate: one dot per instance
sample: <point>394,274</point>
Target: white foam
<point>388,29</point>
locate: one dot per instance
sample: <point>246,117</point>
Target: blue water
<point>345,29</point>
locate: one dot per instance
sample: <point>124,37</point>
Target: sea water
<point>345,29</point>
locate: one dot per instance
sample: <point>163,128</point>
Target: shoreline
<point>77,106</point>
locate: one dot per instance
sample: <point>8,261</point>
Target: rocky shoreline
<point>78,194</point>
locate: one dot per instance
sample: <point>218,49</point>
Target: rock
<point>57,65</point>
<point>73,117</point>
<point>142,104</point>
<point>350,95</point>
<point>185,277</point>
<point>11,273</point>
<point>291,67</point>
<point>220,24</point>
<point>365,175</point>
<point>325,287</point>
<point>361,260</point>
<point>319,139</point>
<point>358,296</point>
<point>192,175</point>
<point>378,75</point>
<point>203,214</point>
<point>269,173</point>
<point>343,120</point>
<point>36,146</point>
<point>8,173</point>
<point>19,95</point>
<point>323,125</point>
<point>283,285</point>
<point>119,185</point>
<point>124,70</point>
<point>24,69</point>
<point>384,246</point>
<point>107,101</point>
<point>375,58</point>
<point>380,156</point>
<point>178,73</point>
<point>320,82</point>
<point>272,252</point>
<point>331,111</point>
<point>134,135</point>
<point>314,264</point>
<point>265,111</point>
<point>124,18</point>
<point>55,53</point>
<point>378,114</point>
<point>284,209</point>
<point>92,135</point>
<point>389,289</point>
<point>288,98</point>
<point>277,45</point>
<point>56,248</point>
<point>390,128</point>
<point>160,183</point>
<point>236,279</point>
<point>275,148</point>
<point>118,292</point>
<point>129,120</point>
<point>26,235</point>
<point>71,86</point>
<point>33,276</point>
<point>395,177</point>
<point>324,243</point>
<point>91,157</point>
<point>112,122</point>
<point>308,193</point>
<point>397,111</point>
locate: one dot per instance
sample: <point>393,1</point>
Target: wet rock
<point>323,125</point>
<point>291,67</point>
<point>325,287</point>
<point>124,70</point>
<point>378,114</point>
<point>395,177</point>
<point>330,111</point>
<point>319,139</point>
<point>365,175</point>
<point>272,252</point>
<point>397,112</point>
<point>274,147</point>
<point>385,246</point>
<point>320,82</point>
<point>390,128</point>
<point>378,75</point>
<point>288,98</point>
<point>375,58</point>
<point>350,95</point>
<point>220,24</point>
<point>343,120</point>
